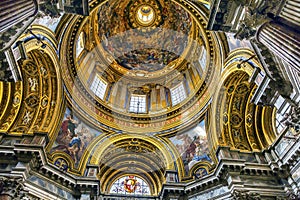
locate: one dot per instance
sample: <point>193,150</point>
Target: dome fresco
<point>147,47</point>
<point>137,81</point>
<point>141,66</point>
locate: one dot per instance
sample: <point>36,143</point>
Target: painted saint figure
<point>74,147</point>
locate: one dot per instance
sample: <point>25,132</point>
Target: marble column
<point>282,41</point>
<point>15,11</point>
<point>290,12</point>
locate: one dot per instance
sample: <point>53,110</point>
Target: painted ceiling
<point>144,46</point>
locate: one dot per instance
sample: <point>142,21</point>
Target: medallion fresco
<point>74,137</point>
<point>192,146</point>
<point>140,49</point>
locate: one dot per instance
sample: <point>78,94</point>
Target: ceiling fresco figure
<point>138,48</point>
<point>74,137</point>
<point>192,146</point>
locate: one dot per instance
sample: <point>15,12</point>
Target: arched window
<point>130,185</point>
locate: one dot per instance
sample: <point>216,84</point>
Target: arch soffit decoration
<point>34,104</point>
<point>154,174</point>
<point>251,120</point>
<point>97,151</point>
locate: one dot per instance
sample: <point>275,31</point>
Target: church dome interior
<point>149,99</point>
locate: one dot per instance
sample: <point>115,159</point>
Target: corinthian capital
<point>13,187</point>
<point>256,13</point>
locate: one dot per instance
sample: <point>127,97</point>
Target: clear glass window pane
<point>178,94</point>
<point>99,87</point>
<point>137,103</point>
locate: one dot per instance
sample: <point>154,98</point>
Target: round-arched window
<point>130,185</point>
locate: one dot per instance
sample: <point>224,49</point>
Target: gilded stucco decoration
<point>146,99</point>
<point>239,123</point>
<point>89,42</point>
<point>132,156</point>
<point>32,106</point>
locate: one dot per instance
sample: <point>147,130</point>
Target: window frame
<point>180,97</point>
<point>99,91</point>
<point>118,183</point>
<point>137,109</point>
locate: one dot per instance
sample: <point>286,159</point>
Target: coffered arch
<point>238,123</point>
<point>33,105</point>
<point>138,155</point>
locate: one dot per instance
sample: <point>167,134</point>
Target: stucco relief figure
<point>292,119</point>
<point>254,17</point>
<point>49,8</point>
<point>43,71</point>
<point>32,84</point>
<point>27,117</point>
